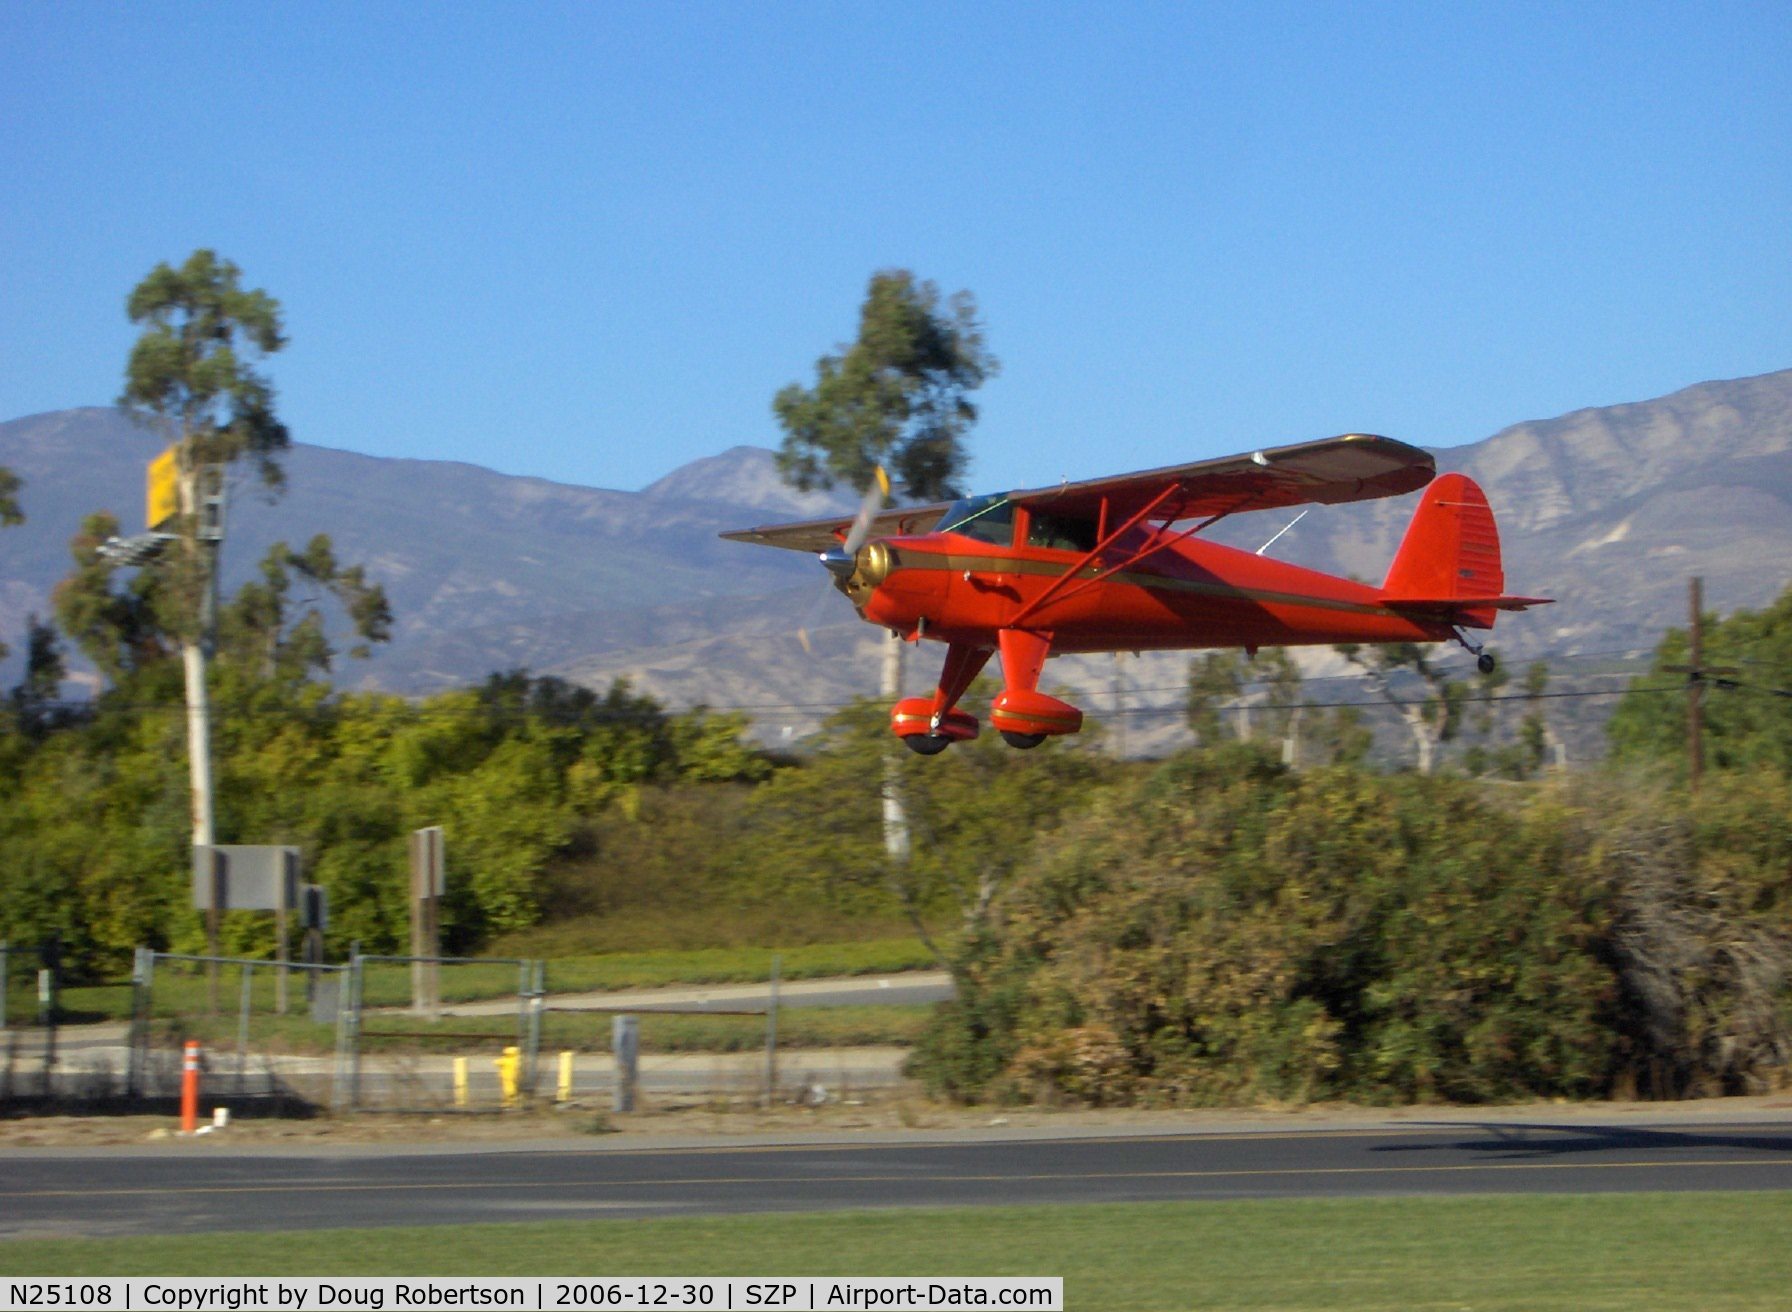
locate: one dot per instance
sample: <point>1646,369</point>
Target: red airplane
<point>1101,566</point>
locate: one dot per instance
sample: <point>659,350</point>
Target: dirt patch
<point>887,1111</point>
<point>892,1111</point>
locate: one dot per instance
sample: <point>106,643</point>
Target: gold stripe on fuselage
<point>909,558</point>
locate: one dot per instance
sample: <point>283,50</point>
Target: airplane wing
<point>1354,467</point>
<point>818,535</point>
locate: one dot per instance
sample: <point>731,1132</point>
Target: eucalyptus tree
<point>191,378</point>
<point>898,398</point>
<point>1432,717</point>
<point>10,483</point>
<point>1746,716</point>
<point>9,511</point>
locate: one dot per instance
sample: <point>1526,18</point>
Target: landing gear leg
<point>929,725</point>
<point>1484,661</point>
<point>963,664</point>
<point>1023,715</point>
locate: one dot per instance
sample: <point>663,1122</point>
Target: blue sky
<point>590,241</point>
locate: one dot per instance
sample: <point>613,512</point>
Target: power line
<point>1399,701</point>
<point>598,718</point>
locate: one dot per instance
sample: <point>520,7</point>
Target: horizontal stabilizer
<point>1442,605</point>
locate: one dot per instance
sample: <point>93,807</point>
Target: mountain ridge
<point>1608,509</point>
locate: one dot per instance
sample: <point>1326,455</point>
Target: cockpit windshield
<point>988,519</point>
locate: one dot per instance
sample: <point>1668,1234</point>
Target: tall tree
<point>1747,714</point>
<point>1433,717</point>
<point>121,630</point>
<point>1261,693</point>
<point>189,377</point>
<point>34,699</point>
<point>10,484</point>
<point>9,511</point>
<point>1215,685</point>
<point>274,634</point>
<point>899,396</point>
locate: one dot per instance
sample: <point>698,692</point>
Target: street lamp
<point>136,550</point>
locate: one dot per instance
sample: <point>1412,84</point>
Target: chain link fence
<point>268,1030</point>
<point>439,1034</point>
<point>434,1035</point>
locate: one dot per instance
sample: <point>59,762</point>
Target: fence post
<point>354,1035</point>
<point>625,1046</point>
<point>771,1034</point>
<point>142,982</point>
<point>46,1016</point>
<point>349,1032</point>
<point>246,1001</point>
<point>532,1050</point>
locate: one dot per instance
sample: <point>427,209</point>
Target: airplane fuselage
<point>1189,594</point>
<point>1105,565</point>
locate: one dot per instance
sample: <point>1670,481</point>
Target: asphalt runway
<point>196,1187</point>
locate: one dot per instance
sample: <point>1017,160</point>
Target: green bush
<point>1227,931</point>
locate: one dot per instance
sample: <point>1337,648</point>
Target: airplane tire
<point>1024,741</point>
<point>1484,662</point>
<point>927,744</point>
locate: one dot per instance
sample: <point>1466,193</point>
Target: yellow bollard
<point>460,1082</point>
<point>564,1092</point>
<point>510,1070</point>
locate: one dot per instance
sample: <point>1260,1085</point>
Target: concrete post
<point>625,1046</point>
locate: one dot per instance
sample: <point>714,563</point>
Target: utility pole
<point>896,832</point>
<point>1695,683</point>
<point>189,376</point>
<point>1696,672</point>
<point>202,498</point>
<point>197,649</point>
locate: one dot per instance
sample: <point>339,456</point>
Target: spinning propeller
<point>840,561</point>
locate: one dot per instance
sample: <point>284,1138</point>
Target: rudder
<point>1451,550</point>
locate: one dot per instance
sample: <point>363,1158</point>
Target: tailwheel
<point>1484,661</point>
<point>927,744</point>
<point>1026,742</point>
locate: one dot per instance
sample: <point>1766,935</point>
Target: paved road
<point>194,1187</point>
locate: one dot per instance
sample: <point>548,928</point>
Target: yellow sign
<point>164,488</point>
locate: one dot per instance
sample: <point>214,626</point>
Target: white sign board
<point>245,877</point>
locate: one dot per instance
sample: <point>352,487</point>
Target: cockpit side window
<point>987,519</point>
<point>1061,532</point>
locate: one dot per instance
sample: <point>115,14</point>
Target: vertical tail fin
<point>1451,552</point>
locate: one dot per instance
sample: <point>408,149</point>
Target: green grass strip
<point>181,989</point>
<point>640,970</point>
<point>1546,1253</point>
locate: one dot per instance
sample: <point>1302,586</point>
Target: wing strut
<point>1058,584</point>
<point>1152,547</point>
